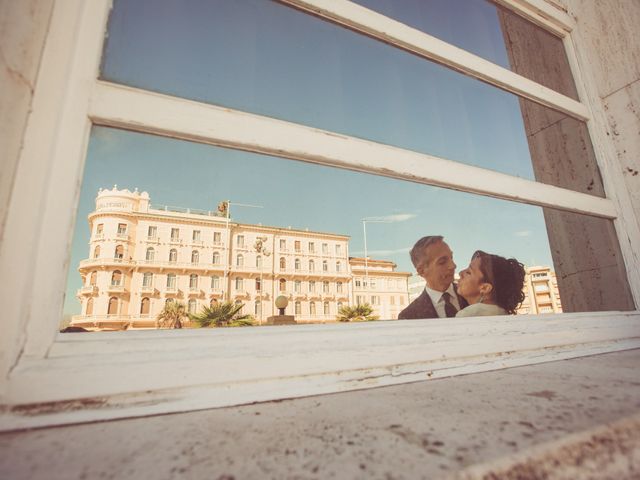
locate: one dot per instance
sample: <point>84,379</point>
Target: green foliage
<point>223,314</point>
<point>357,313</point>
<point>172,315</point>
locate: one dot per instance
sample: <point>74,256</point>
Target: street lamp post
<point>366,256</point>
<point>225,209</point>
<point>263,251</point>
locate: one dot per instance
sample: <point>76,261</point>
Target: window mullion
<point>129,108</point>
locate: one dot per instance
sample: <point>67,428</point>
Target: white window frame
<point>35,360</point>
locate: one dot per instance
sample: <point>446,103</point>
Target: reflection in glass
<point>267,58</point>
<point>143,181</point>
<point>489,31</point>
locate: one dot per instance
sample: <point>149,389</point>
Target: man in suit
<point>433,260</point>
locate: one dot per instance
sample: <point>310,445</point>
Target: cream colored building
<point>143,256</point>
<point>541,292</point>
<point>377,283</point>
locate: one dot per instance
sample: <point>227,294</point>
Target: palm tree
<point>357,313</point>
<point>223,314</point>
<point>172,315</point>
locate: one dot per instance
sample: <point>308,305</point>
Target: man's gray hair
<point>418,251</point>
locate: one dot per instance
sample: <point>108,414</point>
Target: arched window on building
<point>193,305</point>
<point>171,281</point>
<point>144,306</point>
<point>195,257</point>
<point>239,260</point>
<point>339,305</point>
<point>312,265</point>
<point>239,302</point>
<point>283,285</point>
<point>96,251</point>
<point>298,308</point>
<point>259,261</point>
<point>193,281</point>
<point>338,266</point>
<point>297,264</point>
<point>216,258</point>
<point>339,287</point>
<point>173,255</point>
<point>116,278</point>
<point>312,308</point>
<point>151,253</point>
<point>93,278</point>
<point>89,308</point>
<point>325,266</point>
<point>325,308</point>
<point>119,253</point>
<point>239,284</point>
<point>168,301</point>
<point>283,263</point>
<point>213,302</point>
<point>147,279</point>
<point>258,308</point>
<point>215,282</point>
<point>113,306</point>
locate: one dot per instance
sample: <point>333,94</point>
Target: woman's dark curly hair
<point>507,277</point>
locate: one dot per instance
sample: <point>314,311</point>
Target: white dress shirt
<point>438,301</point>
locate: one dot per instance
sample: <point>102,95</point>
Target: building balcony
<point>116,289</point>
<point>104,262</point>
<point>88,290</point>
<point>96,237</point>
<point>122,236</point>
<point>241,294</point>
<point>195,292</point>
<point>186,266</point>
<point>155,240</point>
<point>216,292</point>
<point>149,289</point>
<point>172,290</point>
<point>197,243</point>
<point>175,241</point>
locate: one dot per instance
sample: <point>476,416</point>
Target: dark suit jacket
<point>422,307</point>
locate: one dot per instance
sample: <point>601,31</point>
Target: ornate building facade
<point>141,257</point>
<point>377,283</point>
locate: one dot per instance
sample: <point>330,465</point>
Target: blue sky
<point>260,56</point>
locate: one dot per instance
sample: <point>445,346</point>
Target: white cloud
<point>398,217</point>
<point>523,233</point>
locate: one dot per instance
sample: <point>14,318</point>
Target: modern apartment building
<point>141,257</point>
<point>541,292</point>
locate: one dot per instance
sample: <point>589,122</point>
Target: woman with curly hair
<point>492,285</point>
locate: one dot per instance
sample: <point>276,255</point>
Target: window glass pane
<point>265,57</point>
<point>574,261</point>
<point>489,31</point>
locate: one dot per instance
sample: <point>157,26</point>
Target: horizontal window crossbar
<point>125,107</point>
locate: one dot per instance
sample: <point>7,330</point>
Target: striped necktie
<point>449,308</point>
